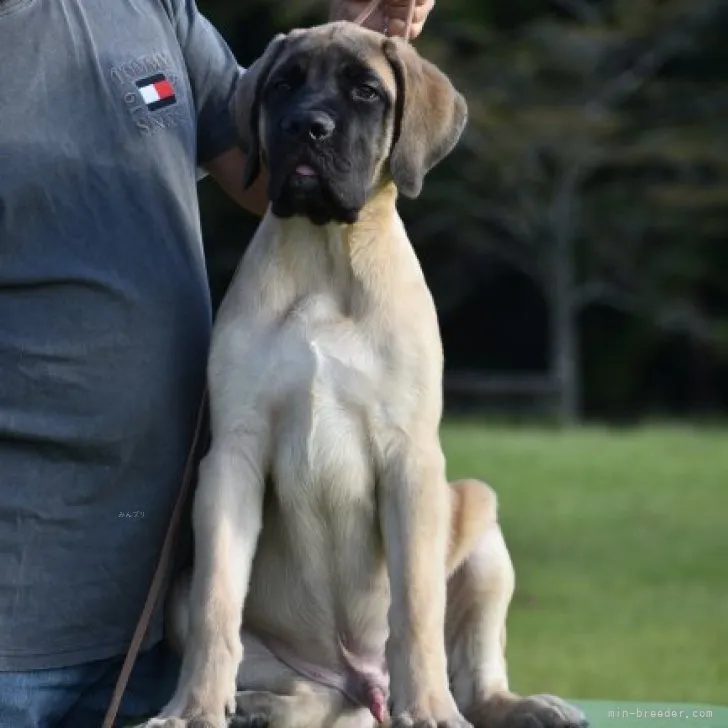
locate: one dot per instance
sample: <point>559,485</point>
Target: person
<point>108,111</point>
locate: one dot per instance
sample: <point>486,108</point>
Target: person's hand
<point>389,18</point>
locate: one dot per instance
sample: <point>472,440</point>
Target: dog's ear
<point>430,116</point>
<point>246,106</point>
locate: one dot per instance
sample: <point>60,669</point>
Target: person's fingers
<point>376,21</point>
<point>406,3</point>
<point>398,27</point>
<point>399,13</point>
<point>398,10</point>
<point>390,17</point>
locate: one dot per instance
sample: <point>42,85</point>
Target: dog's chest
<point>338,356</point>
<point>334,403</point>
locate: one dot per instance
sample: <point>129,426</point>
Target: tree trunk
<point>565,334</point>
<point>563,314</point>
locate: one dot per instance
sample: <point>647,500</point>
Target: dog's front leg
<point>227,519</point>
<point>414,502</point>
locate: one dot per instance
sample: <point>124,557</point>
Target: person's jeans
<point>78,696</point>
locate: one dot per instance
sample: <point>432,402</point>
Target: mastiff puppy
<point>338,578</point>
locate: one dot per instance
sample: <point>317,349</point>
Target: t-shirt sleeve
<point>213,72</point>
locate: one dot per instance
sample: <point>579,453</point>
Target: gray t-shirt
<point>106,109</point>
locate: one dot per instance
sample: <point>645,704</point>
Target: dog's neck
<point>361,264</point>
<point>377,214</point>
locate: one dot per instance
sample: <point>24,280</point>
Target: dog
<point>339,580</point>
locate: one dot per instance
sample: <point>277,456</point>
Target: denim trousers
<point>78,696</point>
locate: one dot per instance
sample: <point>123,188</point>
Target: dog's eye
<point>282,84</point>
<point>364,92</point>
<point>288,79</point>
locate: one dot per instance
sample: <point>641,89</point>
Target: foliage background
<point>575,242</point>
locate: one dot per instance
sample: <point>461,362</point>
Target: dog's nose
<point>317,125</point>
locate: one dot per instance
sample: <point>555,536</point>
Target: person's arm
<point>227,170</point>
<point>213,73</point>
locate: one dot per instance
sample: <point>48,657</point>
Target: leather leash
<point>170,537</point>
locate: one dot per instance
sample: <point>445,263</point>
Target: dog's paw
<point>252,710</point>
<point>534,711</point>
<point>413,720</point>
<point>196,722</point>
<point>164,723</point>
<point>444,715</point>
<point>250,720</point>
<point>551,711</point>
<point>195,708</point>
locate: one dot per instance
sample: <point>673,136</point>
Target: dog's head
<point>335,111</point>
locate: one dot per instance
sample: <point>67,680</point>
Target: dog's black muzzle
<point>311,169</point>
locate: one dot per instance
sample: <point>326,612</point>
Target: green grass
<point>620,542</point>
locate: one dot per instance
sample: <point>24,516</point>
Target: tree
<point>555,132</point>
<point>595,163</point>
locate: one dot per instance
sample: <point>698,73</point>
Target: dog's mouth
<point>307,187</point>
<point>305,177</point>
<point>305,171</point>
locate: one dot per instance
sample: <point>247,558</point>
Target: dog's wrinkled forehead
<point>322,55</point>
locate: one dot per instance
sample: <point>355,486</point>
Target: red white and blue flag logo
<point>157,91</point>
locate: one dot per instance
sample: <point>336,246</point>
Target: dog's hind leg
<point>479,592</point>
<point>480,588</point>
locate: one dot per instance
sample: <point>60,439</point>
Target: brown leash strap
<point>165,559</point>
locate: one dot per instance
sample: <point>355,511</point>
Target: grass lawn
<point>620,541</point>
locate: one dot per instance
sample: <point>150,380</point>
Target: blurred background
<point>576,246</point>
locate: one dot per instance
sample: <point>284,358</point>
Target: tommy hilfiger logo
<point>157,91</point>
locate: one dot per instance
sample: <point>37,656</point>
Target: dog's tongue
<point>305,171</point>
